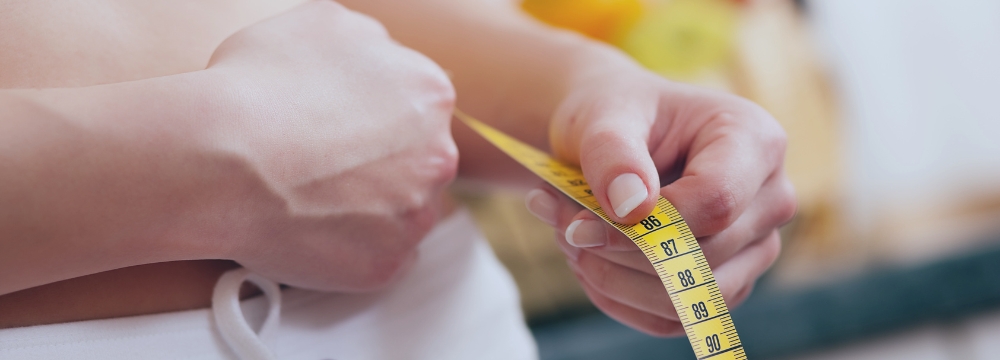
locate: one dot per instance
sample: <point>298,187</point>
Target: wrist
<point>209,181</point>
<point>594,61</point>
<point>85,196</point>
<point>155,159</point>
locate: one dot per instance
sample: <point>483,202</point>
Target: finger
<point>727,165</point>
<point>773,206</point>
<point>543,204</point>
<point>634,260</point>
<point>610,139</point>
<point>742,294</point>
<point>734,289</point>
<point>735,275</point>
<point>643,321</point>
<point>579,227</point>
<point>586,230</point>
<point>630,287</point>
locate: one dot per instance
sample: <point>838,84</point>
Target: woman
<point>147,148</point>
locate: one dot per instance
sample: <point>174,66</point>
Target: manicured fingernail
<point>626,192</point>
<point>542,205</point>
<point>586,233</point>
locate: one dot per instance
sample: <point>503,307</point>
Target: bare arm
<point>636,136</point>
<point>509,70</point>
<point>70,163</point>
<point>290,144</point>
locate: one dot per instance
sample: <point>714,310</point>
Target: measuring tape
<point>663,236</point>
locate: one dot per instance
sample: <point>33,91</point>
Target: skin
<point>715,156</point>
<point>219,164</point>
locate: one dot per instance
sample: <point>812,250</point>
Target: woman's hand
<point>716,157</point>
<point>347,133</point>
<point>312,150</point>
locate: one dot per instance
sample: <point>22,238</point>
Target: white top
<point>458,302</point>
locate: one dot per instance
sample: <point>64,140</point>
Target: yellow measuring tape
<point>663,236</point>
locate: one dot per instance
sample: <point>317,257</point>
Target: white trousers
<point>458,302</point>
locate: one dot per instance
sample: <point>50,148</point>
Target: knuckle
<point>720,208</point>
<point>775,142</point>
<point>445,90</point>
<point>440,83</point>
<point>774,139</point>
<point>447,168</point>
<point>788,206</point>
<point>363,24</point>
<point>419,222</point>
<point>777,138</point>
<point>382,272</point>
<point>437,97</point>
<point>431,91</point>
<point>440,164</point>
<point>384,267</point>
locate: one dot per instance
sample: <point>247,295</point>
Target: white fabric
<point>230,321</point>
<point>457,303</point>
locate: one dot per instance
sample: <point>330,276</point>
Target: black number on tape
<point>713,343</point>
<point>687,279</point>
<point>669,247</point>
<point>650,223</point>
<point>700,310</point>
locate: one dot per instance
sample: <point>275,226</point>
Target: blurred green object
<point>682,38</point>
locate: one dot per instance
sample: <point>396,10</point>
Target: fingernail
<point>542,205</point>
<point>586,233</point>
<point>626,192</point>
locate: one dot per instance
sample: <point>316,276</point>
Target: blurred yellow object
<point>681,38</point>
<point>599,19</point>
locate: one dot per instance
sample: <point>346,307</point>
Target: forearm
<point>88,179</point>
<point>509,70</point>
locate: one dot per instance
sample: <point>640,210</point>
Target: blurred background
<point>892,108</point>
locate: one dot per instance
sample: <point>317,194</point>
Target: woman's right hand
<point>342,145</point>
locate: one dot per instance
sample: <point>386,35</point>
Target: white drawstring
<point>229,317</point>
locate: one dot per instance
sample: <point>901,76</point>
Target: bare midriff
<point>73,43</point>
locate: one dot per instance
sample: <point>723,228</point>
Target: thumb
<point>613,152</point>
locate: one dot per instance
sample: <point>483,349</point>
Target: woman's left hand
<point>717,157</point>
